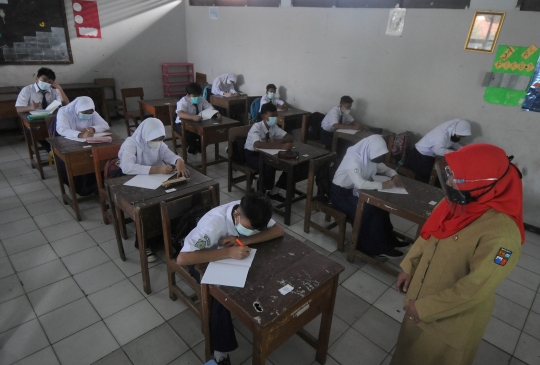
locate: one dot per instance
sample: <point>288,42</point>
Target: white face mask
<point>154,144</point>
<point>345,111</point>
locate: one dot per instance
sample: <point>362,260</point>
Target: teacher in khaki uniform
<point>468,246</point>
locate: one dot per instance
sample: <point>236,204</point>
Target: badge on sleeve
<point>203,242</point>
<point>356,170</point>
<point>503,256</point>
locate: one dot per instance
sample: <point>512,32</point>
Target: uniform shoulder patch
<point>502,256</point>
<point>356,170</point>
<point>203,242</point>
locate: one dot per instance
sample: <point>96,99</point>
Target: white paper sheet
<point>76,139</point>
<point>151,181</point>
<point>229,272</point>
<point>102,134</point>
<point>270,151</point>
<point>348,131</point>
<point>393,190</point>
<point>50,109</point>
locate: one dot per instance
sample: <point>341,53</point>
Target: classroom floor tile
<point>67,298</point>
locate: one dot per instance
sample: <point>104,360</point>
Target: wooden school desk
<point>10,90</point>
<point>159,108</point>
<point>142,205</point>
<point>37,132</point>
<point>290,166</point>
<point>291,118</point>
<point>211,131</point>
<point>227,102</point>
<point>414,207</point>
<point>351,138</point>
<point>77,156</point>
<point>271,316</point>
<point>94,91</point>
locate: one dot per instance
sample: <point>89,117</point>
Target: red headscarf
<point>479,161</point>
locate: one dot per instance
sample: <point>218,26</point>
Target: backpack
<point>400,148</point>
<point>185,223</point>
<point>112,169</point>
<point>238,150</point>
<point>207,92</point>
<point>323,178</point>
<point>314,126</point>
<point>254,109</point>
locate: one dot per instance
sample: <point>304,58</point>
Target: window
<point>437,4</point>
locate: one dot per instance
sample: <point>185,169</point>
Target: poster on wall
<point>532,99</point>
<point>86,19</point>
<point>512,69</point>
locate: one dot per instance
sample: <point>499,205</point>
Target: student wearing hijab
<point>468,246</point>
<point>361,162</point>
<point>145,153</point>
<point>79,119</point>
<point>437,142</point>
<point>224,85</point>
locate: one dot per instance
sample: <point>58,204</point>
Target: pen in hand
<point>239,242</point>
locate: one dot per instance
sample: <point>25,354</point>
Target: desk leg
<point>206,307</point>
<point>357,224</point>
<point>216,151</point>
<point>74,201</point>
<point>326,324</point>
<point>38,157</point>
<point>60,181</point>
<point>228,109</point>
<point>116,225</point>
<point>261,173</point>
<point>184,147</point>
<point>289,196</point>
<point>203,154</point>
<point>142,255</point>
<point>260,350</point>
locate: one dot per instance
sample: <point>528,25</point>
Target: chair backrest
<point>107,83</point>
<point>50,122</point>
<point>200,79</point>
<point>321,172</point>
<point>134,92</point>
<point>312,128</point>
<point>233,148</point>
<point>100,156</point>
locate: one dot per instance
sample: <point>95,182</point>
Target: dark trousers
<point>327,138</point>
<point>420,164</point>
<point>192,139</point>
<point>221,326</point>
<point>377,233</point>
<point>252,160</point>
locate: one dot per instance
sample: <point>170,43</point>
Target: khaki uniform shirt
<point>454,279</point>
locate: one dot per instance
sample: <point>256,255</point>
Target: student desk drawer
<point>216,135</point>
<point>81,162</point>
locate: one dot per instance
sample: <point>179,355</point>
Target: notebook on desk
<point>49,110</point>
<point>229,272</point>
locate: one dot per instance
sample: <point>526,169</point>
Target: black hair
<point>346,100</point>
<point>193,88</point>
<point>257,208</point>
<point>44,71</point>
<point>268,107</point>
<point>271,86</point>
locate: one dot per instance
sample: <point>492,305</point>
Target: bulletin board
<point>34,32</point>
<point>516,61</point>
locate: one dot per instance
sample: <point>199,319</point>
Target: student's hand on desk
<point>388,184</point>
<point>166,169</point>
<point>86,133</point>
<point>403,281</point>
<point>218,116</point>
<point>287,146</point>
<point>227,94</point>
<point>397,182</point>
<point>410,310</point>
<point>181,168</point>
<point>228,241</point>
<point>197,118</point>
<point>238,252</point>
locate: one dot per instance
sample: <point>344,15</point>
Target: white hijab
<point>458,127</point>
<point>149,129</point>
<point>365,151</point>
<point>70,111</point>
<point>223,81</point>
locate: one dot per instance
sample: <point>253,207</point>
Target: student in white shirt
<point>437,142</point>
<point>79,119</point>
<point>145,153</point>
<point>267,134</point>
<point>361,162</point>
<point>339,118</point>
<point>224,85</point>
<point>39,95</point>
<point>270,97</point>
<point>189,108</point>
<point>214,238</point>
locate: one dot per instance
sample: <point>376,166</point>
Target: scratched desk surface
<point>416,202</point>
<point>277,263</point>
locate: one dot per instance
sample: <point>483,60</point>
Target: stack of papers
<point>229,272</point>
<point>101,134</point>
<point>151,181</point>
<point>50,109</point>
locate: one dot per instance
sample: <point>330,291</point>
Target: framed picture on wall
<point>484,31</point>
<point>34,33</point>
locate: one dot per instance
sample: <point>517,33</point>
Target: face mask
<point>271,95</point>
<point>243,231</point>
<point>230,82</point>
<point>154,144</point>
<point>345,111</point>
<point>455,138</point>
<point>84,116</point>
<point>195,99</point>
<point>272,121</point>
<point>43,85</point>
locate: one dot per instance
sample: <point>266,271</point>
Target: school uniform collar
<point>265,130</point>
<point>39,90</point>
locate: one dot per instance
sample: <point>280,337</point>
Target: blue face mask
<point>43,85</point>
<point>195,99</point>
<point>84,116</point>
<point>243,231</point>
<point>272,121</point>
<point>271,95</point>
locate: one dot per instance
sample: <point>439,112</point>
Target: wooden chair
<point>113,104</point>
<point>174,134</point>
<point>312,120</point>
<point>321,203</point>
<point>200,79</point>
<point>433,178</point>
<point>248,172</point>
<point>100,156</point>
<point>171,210</point>
<point>133,115</point>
